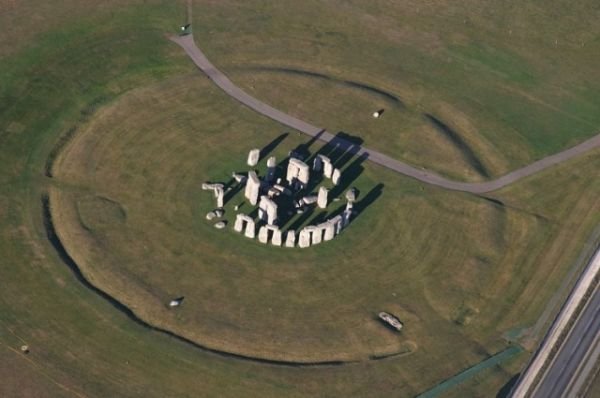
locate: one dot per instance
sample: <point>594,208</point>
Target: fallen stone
<point>210,215</point>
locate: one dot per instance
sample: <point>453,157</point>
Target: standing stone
<point>290,239</point>
<point>318,163</point>
<point>304,240</point>
<point>349,206</point>
<point>351,195</point>
<point>250,229</point>
<point>329,231</point>
<point>276,238</point>
<point>263,235</point>
<point>322,197</point>
<point>304,174</point>
<point>321,161</point>
<point>252,188</point>
<point>239,223</point>
<point>335,176</point>
<point>337,222</point>
<point>253,157</point>
<point>267,210</point>
<point>271,168</point>
<point>297,170</point>
<point>317,235</point>
<point>346,218</point>
<point>327,168</point>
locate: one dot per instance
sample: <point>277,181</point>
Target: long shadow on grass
<point>272,145</point>
<point>63,254</point>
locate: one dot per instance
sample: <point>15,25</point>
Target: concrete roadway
<point>188,44</point>
<point>577,356</point>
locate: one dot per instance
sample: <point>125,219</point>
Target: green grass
<point>469,270</point>
<point>152,163</point>
<point>493,72</point>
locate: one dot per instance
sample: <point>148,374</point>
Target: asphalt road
<point>577,356</point>
<point>188,44</point>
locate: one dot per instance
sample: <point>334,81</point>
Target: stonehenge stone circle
<point>272,193</point>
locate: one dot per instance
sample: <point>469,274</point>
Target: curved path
<point>188,44</point>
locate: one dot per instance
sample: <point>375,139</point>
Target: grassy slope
<point>77,339</point>
<point>493,72</point>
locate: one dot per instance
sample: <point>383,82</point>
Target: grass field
<point>511,82</point>
<point>101,112</point>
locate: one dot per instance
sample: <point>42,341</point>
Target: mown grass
<point>80,344</point>
<point>516,81</point>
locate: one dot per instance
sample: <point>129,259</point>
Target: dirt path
<point>188,44</point>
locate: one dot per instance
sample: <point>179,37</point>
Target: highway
<point>577,356</point>
<point>569,351</point>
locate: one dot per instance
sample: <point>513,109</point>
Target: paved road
<point>576,358</point>
<point>188,44</point>
<point>563,372</point>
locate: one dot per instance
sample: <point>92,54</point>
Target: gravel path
<point>188,44</point>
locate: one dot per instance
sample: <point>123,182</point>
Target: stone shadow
<point>265,151</point>
<point>344,151</point>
